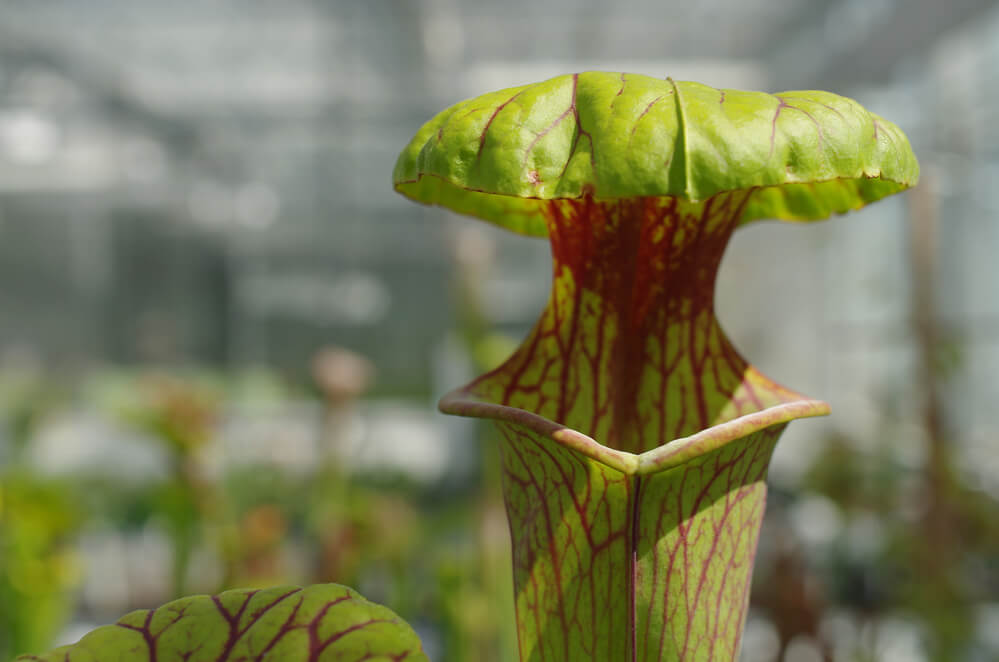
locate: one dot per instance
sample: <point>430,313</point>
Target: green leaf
<point>323,622</point>
<point>39,520</point>
<point>500,156</point>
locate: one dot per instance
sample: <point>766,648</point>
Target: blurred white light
<point>816,520</point>
<point>760,642</point>
<point>864,536</point>
<point>840,630</point>
<point>283,436</point>
<point>82,441</point>
<point>717,72</point>
<point>210,204</point>
<point>146,555</point>
<point>20,359</point>
<point>443,39</point>
<point>27,137</point>
<point>352,298</point>
<point>257,206</point>
<point>850,21</point>
<point>143,160</point>
<point>105,586</point>
<point>87,162</point>
<point>360,298</point>
<point>988,626</point>
<point>403,439</point>
<point>899,641</point>
<point>44,88</point>
<point>803,649</point>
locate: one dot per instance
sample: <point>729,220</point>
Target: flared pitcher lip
<point>673,453</point>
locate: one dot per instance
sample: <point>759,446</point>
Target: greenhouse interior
<point>223,335</point>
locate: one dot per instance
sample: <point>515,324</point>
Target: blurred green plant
<point>26,401</point>
<point>180,415</point>
<point>39,518</point>
<point>39,567</point>
<point>932,550</point>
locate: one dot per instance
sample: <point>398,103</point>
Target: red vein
<point>489,122</point>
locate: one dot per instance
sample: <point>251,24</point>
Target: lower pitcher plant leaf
<point>319,623</point>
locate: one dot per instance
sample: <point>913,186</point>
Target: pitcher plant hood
<point>806,154</point>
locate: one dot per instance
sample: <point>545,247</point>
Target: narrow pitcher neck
<point>645,258</point>
<point>628,349</point>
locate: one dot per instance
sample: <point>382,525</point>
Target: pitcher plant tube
<point>635,437</point>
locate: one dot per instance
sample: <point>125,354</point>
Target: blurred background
<point>222,335</point>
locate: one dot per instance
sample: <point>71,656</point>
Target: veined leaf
<point>499,156</point>
<point>290,624</point>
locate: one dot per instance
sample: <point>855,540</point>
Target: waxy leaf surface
<point>289,624</point>
<point>806,154</point>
